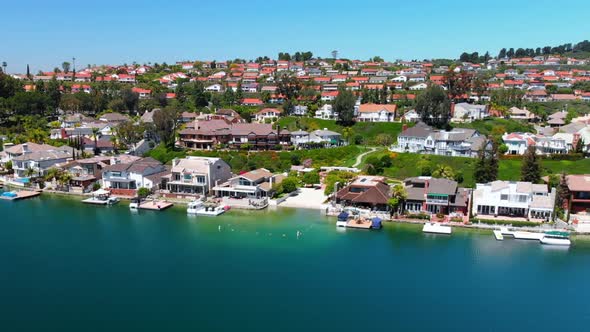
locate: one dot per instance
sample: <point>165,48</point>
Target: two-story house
<point>465,112</point>
<point>255,184</point>
<point>31,163</point>
<point>513,199</point>
<point>432,195</point>
<point>124,178</point>
<point>265,114</point>
<point>377,113</point>
<point>193,176</point>
<point>421,138</point>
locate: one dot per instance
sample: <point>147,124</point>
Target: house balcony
<point>437,201</point>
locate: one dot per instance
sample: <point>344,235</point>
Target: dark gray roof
<point>419,130</point>
<point>442,186</point>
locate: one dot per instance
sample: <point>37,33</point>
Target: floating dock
<point>361,224</point>
<point>522,235</point>
<point>436,228</point>
<point>155,206</point>
<point>23,194</point>
<point>498,235</point>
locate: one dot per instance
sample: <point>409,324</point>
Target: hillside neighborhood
<point>382,137</point>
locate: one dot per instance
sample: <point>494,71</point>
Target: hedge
<point>506,222</point>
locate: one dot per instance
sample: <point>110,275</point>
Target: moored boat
<point>101,197</point>
<point>134,205</point>
<point>556,238</point>
<point>342,219</point>
<point>194,206</point>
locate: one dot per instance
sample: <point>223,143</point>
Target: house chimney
<point>25,148</point>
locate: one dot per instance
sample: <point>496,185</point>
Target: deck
<point>23,194</point>
<point>361,224</point>
<point>155,206</point>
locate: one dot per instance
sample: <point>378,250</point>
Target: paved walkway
<point>307,198</point>
<point>359,158</point>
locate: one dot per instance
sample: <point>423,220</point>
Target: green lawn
<point>368,130</point>
<point>276,161</point>
<point>408,165</point>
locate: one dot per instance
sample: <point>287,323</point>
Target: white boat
<point>101,197</point>
<point>342,220</point>
<point>436,228</point>
<point>556,238</point>
<point>134,205</point>
<point>194,206</point>
<point>211,211</point>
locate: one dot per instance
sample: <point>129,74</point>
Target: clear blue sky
<point>45,33</point>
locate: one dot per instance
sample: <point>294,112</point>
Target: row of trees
<point>297,56</point>
<point>583,46</point>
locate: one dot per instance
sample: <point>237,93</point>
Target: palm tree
<point>398,197</point>
<point>29,172</point>
<point>94,134</point>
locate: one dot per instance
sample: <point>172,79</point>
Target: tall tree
<point>531,168</point>
<point>434,106</point>
<point>65,66</point>
<point>502,54</point>
<point>165,125</point>
<point>344,106</point>
<point>563,193</point>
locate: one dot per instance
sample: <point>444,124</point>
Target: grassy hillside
<point>369,130</point>
<point>497,125</point>
<point>276,161</point>
<point>408,165</point>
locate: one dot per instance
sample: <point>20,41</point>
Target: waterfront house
<point>10,151</point>
<point>365,191</point>
<point>254,184</point>
<point>578,203</point>
<point>435,196</point>
<point>85,172</point>
<point>125,177</point>
<point>193,176</point>
<point>376,113</point>
<point>513,199</point>
<point>36,163</point>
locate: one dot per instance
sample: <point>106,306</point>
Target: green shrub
<point>505,222</point>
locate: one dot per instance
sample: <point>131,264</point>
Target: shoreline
<point>585,237</point>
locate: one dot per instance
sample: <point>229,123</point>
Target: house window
<point>118,174</point>
<point>504,197</point>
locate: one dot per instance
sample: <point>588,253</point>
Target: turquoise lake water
<point>72,267</point>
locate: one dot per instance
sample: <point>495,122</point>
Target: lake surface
<point>73,267</point>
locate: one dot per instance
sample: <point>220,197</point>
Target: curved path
<point>359,158</point>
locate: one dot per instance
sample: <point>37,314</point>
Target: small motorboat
<point>342,219</point>
<point>194,206</point>
<point>135,202</point>
<point>211,210</point>
<point>556,238</point>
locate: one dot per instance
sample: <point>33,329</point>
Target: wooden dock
<point>155,206</point>
<point>357,223</point>
<point>23,194</point>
